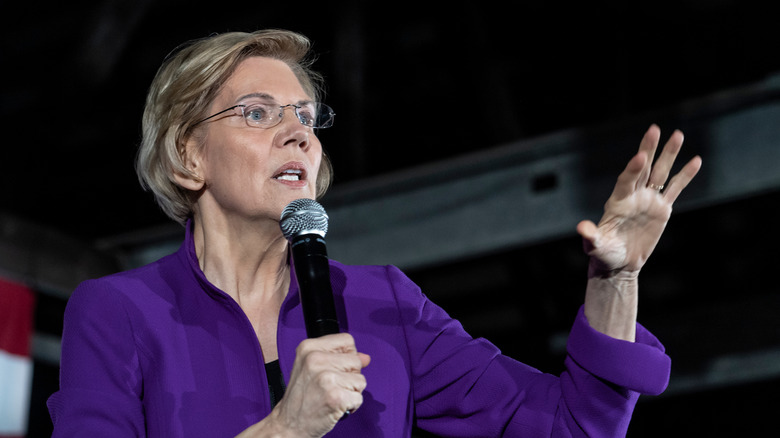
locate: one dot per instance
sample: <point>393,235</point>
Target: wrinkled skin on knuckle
<point>317,360</point>
<point>303,348</point>
<point>336,400</point>
<point>363,383</point>
<point>327,380</point>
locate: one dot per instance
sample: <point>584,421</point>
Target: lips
<point>291,172</point>
<point>290,175</point>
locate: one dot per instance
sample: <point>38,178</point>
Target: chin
<point>284,201</point>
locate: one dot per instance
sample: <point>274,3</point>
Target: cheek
<point>316,160</point>
<point>233,163</point>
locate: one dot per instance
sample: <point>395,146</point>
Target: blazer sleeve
<point>465,387</point>
<point>100,377</point>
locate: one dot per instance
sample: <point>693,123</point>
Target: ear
<point>191,178</point>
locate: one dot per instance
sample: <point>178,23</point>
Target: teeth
<point>290,175</point>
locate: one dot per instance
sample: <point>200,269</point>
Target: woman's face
<point>255,172</point>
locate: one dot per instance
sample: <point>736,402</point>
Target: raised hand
<point>635,216</point>
<point>636,213</point>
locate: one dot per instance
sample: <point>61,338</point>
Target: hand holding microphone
<point>304,224</point>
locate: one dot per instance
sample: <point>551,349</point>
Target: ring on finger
<point>656,186</point>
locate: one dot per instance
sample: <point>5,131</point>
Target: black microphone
<point>304,224</point>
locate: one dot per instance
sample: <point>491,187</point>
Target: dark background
<point>415,83</point>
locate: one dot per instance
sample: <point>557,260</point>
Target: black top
<point>275,381</point>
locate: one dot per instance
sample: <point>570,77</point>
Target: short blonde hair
<point>183,89</point>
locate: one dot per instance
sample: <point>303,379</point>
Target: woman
<point>210,341</point>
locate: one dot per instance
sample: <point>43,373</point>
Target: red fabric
<point>16,317</point>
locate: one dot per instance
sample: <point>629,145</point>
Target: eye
<point>258,113</point>
<point>308,113</point>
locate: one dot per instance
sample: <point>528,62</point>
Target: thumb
<point>364,359</point>
<point>588,231</point>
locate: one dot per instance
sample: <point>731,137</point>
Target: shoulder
<point>381,285</point>
<point>382,277</point>
<point>130,276</point>
<point>118,289</point>
<point>380,273</point>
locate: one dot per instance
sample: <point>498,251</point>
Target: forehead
<point>263,75</point>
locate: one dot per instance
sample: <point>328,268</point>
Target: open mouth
<point>290,175</point>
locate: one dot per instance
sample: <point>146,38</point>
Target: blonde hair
<point>183,89</point>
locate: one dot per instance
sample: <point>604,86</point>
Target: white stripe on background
<point>15,389</point>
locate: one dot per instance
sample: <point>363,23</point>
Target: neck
<point>247,260</point>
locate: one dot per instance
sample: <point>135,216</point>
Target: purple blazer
<point>159,351</point>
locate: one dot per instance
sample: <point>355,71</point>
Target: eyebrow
<point>268,97</point>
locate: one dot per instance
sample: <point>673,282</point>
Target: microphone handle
<point>313,273</point>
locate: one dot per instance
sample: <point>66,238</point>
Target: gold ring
<point>656,187</point>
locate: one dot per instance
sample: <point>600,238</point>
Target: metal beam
<point>538,189</point>
<point>47,260</point>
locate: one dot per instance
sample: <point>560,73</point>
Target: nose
<point>291,131</point>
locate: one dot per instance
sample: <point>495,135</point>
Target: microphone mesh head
<point>303,216</point>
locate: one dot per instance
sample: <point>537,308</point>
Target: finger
<point>353,382</point>
<point>648,145</point>
<point>680,181</point>
<point>663,164</point>
<point>352,362</point>
<point>335,362</point>
<point>355,402</point>
<point>338,381</point>
<point>338,342</point>
<point>340,403</point>
<point>343,392</point>
<point>350,403</point>
<point>632,175</point>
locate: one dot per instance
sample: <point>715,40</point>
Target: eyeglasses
<point>265,115</point>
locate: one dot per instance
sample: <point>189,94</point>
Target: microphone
<point>304,224</point>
